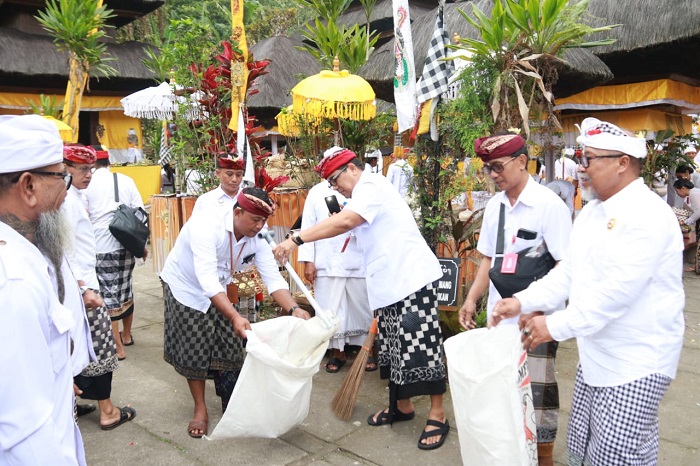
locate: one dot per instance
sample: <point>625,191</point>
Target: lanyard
<point>230,242</point>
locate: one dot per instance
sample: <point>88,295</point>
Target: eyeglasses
<point>67,177</point>
<point>333,180</point>
<point>586,159</point>
<point>496,167</point>
<point>84,170</point>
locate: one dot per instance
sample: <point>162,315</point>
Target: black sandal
<point>338,363</point>
<point>383,418</point>
<point>443,429</point>
<point>371,364</point>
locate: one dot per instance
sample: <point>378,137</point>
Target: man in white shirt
<point>566,169</point>
<point>532,214</point>
<point>691,152</point>
<point>229,171</point>
<point>373,161</point>
<point>623,279</point>
<point>95,380</point>
<point>36,388</point>
<point>203,330</point>
<point>400,287</point>
<point>400,174</point>
<point>336,268</point>
<point>114,264</point>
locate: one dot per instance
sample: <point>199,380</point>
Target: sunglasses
<point>496,167</point>
<point>333,180</point>
<point>586,159</point>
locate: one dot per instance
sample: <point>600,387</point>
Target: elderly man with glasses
<point>532,213</point>
<point>38,330</point>
<point>623,279</point>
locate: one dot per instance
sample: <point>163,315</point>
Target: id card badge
<point>510,260</point>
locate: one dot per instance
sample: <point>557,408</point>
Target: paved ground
<point>157,436</point>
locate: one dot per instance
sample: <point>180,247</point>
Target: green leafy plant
<point>664,154</point>
<point>47,106</point>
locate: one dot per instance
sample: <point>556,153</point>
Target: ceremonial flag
<point>164,154</point>
<point>436,71</point>
<point>243,148</point>
<point>404,68</point>
<point>239,68</point>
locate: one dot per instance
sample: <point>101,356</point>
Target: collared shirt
<point>101,205</point>
<point>216,199</point>
<point>397,258</point>
<point>400,174</point>
<point>81,255</point>
<point>36,390</point>
<point>623,278</point>
<point>199,265</point>
<point>328,255</point>
<point>537,209</point>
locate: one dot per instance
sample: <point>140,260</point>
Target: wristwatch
<point>293,308</point>
<point>297,239</point>
<point>83,289</point>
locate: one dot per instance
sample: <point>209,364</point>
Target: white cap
<point>28,142</point>
<point>690,149</point>
<point>375,154</point>
<point>606,136</point>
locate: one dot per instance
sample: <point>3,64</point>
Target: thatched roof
<point>128,10</point>
<point>581,71</point>
<point>288,66</point>
<point>32,61</point>
<point>656,39</point>
<point>382,17</point>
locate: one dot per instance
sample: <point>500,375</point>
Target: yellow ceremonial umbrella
<point>290,123</point>
<point>334,94</point>
<point>64,130</point>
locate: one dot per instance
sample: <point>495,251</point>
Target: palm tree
<point>523,41</point>
<point>77,26</point>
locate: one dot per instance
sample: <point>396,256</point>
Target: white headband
<point>606,136</point>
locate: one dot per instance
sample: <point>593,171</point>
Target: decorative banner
<point>436,72</point>
<point>239,68</point>
<point>404,69</point>
<point>243,149</point>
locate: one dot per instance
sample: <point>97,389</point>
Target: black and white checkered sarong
<point>102,343</point>
<point>114,273</point>
<point>196,343</point>
<point>615,425</point>
<point>410,339</point>
<point>545,391</point>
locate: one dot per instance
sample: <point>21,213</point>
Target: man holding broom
<point>401,270</point>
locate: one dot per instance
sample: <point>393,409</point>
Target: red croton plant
<point>215,106</point>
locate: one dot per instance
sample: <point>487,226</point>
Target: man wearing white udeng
<point>623,278</point>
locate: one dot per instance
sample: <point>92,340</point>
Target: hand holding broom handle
<point>267,235</point>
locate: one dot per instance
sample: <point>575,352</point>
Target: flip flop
<point>202,426</point>
<point>383,418</point>
<point>338,363</point>
<point>131,343</point>
<point>371,365</point>
<point>126,414</point>
<point>442,429</point>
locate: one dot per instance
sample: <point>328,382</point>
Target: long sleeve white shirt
<point>81,256</point>
<point>36,389</point>
<point>101,205</point>
<point>397,258</point>
<point>327,254</point>
<point>199,265</point>
<point>623,278</point>
<point>693,201</point>
<point>537,209</point>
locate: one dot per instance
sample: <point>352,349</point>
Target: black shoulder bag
<point>533,263</point>
<point>129,225</point>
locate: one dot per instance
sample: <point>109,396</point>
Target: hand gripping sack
<point>273,391</point>
<point>532,264</point>
<point>492,397</point>
<point>129,225</point>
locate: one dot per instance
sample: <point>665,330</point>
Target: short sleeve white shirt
<point>215,199</point>
<point>569,170</point>
<point>81,255</point>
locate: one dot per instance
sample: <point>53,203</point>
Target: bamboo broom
<point>344,401</point>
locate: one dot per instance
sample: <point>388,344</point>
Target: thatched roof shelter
<point>32,61</point>
<point>288,66</point>
<point>382,18</point>
<point>656,39</point>
<point>581,70</point>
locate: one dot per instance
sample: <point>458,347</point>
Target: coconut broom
<point>344,401</point>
